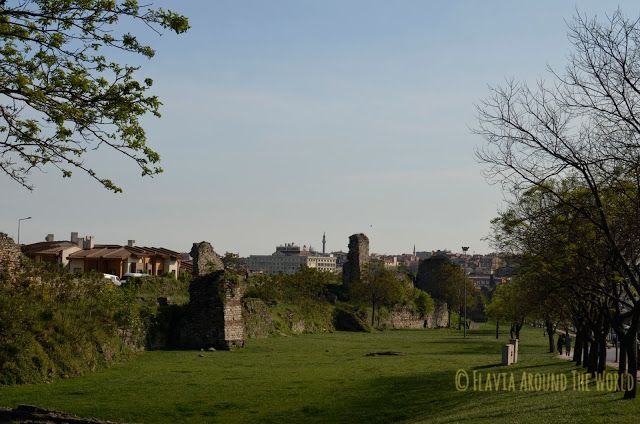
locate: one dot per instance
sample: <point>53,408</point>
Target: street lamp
<point>464,252</point>
<point>19,221</point>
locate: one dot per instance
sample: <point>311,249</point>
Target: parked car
<point>129,275</point>
<point>114,279</point>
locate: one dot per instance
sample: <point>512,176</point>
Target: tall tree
<point>378,286</point>
<point>63,93</point>
<point>584,128</point>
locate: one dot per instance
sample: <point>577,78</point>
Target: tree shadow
<point>387,399</point>
<point>482,367</point>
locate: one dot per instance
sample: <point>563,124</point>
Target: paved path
<point>611,358</point>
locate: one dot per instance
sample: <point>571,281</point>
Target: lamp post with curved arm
<point>464,251</point>
<point>19,222</point>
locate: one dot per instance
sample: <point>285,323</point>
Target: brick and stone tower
<point>214,313</point>
<point>357,258</point>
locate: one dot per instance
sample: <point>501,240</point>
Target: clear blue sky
<point>286,119</point>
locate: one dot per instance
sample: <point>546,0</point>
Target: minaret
<point>324,243</point>
<point>414,250</point>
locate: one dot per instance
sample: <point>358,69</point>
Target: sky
<point>284,120</point>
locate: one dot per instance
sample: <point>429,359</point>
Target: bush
<point>423,302</point>
<point>305,285</point>
<point>56,324</point>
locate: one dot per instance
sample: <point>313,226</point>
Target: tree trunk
<point>586,345</point>
<point>518,328</point>
<point>373,312</point>
<point>622,360</point>
<point>459,319</point>
<point>497,328</point>
<point>593,357</point>
<point>632,365</point>
<point>550,333</point>
<point>632,356</point>
<point>577,347</point>
<point>602,354</point>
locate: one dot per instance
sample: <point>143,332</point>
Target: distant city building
<point>289,258</point>
<point>423,255</point>
<point>482,280</point>
<point>341,258</point>
<point>389,261</point>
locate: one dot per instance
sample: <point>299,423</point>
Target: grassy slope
<point>324,378</point>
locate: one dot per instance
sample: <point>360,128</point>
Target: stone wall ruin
<point>9,254</point>
<point>205,259</point>
<point>405,317</point>
<point>357,258</point>
<point>213,316</point>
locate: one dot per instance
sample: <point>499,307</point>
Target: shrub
<point>56,324</point>
<point>423,302</point>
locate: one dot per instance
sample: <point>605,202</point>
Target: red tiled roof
<point>161,251</point>
<point>122,252</point>
<point>46,247</point>
<point>117,252</point>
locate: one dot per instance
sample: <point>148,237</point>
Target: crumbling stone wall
<point>205,259</point>
<point>233,323</point>
<point>439,317</point>
<point>214,314</point>
<point>357,258</point>
<point>257,319</point>
<point>405,317</point>
<point>9,254</point>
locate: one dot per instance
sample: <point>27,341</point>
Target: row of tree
<point>568,156</point>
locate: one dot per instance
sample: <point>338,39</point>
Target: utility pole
<point>464,252</point>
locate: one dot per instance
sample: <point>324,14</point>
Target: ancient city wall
<point>9,254</point>
<point>214,314</point>
<point>405,317</point>
<point>357,258</point>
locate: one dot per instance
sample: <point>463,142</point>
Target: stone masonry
<point>9,254</point>
<point>205,259</point>
<point>357,258</point>
<point>214,313</point>
<point>404,317</point>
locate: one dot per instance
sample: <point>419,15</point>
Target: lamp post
<point>20,221</point>
<point>464,252</point>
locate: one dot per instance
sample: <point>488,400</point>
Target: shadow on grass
<point>425,396</point>
<point>387,399</point>
<point>482,367</point>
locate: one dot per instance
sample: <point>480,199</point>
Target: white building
<point>289,258</point>
<point>322,263</point>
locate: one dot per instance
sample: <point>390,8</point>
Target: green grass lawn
<point>328,378</point>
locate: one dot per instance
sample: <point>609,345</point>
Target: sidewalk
<point>611,358</point>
